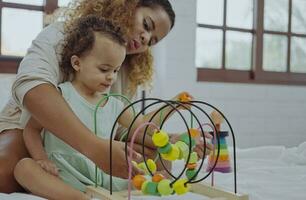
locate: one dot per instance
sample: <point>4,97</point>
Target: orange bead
<point>184,97</point>
<point>138,180</point>
<point>157,178</point>
<point>191,165</point>
<point>194,132</point>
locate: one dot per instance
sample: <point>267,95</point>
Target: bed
<point>267,172</point>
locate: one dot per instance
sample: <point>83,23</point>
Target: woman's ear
<point>75,63</point>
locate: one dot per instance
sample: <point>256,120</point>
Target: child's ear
<point>75,62</point>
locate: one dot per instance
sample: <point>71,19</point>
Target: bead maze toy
<point>153,182</point>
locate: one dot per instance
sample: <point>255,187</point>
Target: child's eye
<point>103,70</point>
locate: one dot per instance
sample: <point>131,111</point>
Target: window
<point>20,22</point>
<point>251,41</point>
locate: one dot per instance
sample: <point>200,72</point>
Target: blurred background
<point>246,57</point>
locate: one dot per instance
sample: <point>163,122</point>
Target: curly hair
<point>139,66</point>
<point>80,39</point>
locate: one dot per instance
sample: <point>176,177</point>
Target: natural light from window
<point>19,28</point>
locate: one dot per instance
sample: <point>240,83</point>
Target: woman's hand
<point>48,166</point>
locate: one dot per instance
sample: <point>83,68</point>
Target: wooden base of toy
<point>199,188</point>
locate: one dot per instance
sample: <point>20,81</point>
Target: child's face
<point>97,69</point>
<point>150,26</point>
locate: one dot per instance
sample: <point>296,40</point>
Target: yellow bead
<point>151,165</point>
<point>160,138</point>
<point>183,148</point>
<point>164,187</point>
<point>144,187</point>
<point>143,167</point>
<point>173,154</point>
<point>180,188</point>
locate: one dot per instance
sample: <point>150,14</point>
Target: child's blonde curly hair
<point>139,66</point>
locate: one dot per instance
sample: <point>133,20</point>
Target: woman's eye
<point>145,24</point>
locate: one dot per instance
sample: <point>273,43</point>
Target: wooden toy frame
<point>198,188</point>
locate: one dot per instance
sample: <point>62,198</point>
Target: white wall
<point>6,81</point>
<point>259,114</point>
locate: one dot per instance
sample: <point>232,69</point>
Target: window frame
<point>10,64</point>
<point>256,74</point>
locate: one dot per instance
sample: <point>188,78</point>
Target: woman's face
<point>150,26</point>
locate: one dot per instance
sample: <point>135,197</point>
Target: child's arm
<point>34,144</point>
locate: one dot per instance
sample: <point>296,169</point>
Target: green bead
<point>191,173</point>
<point>164,187</point>
<point>165,149</point>
<point>151,188</point>
<point>185,138</point>
<point>193,158</point>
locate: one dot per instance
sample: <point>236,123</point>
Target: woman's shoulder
<point>52,33</point>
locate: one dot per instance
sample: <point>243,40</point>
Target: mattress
<point>266,172</point>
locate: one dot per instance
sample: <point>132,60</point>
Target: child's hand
<point>48,166</point>
<point>200,145</point>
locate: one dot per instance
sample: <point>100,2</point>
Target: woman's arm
<point>49,108</point>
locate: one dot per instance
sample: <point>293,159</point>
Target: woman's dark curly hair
<point>80,39</point>
<point>139,66</point>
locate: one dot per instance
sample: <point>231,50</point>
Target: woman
<point>145,23</point>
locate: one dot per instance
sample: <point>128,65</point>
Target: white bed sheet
<point>264,173</point>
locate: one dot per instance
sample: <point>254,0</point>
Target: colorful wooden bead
<point>138,180</point>
<point>143,167</point>
<point>173,154</point>
<point>194,132</point>
<point>193,157</point>
<point>160,138</point>
<point>164,187</point>
<point>144,187</point>
<point>191,165</point>
<point>151,165</point>
<point>165,149</point>
<point>190,173</point>
<point>157,177</point>
<point>184,97</point>
<point>184,149</point>
<point>180,188</point>
<point>185,138</point>
<point>151,188</point>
